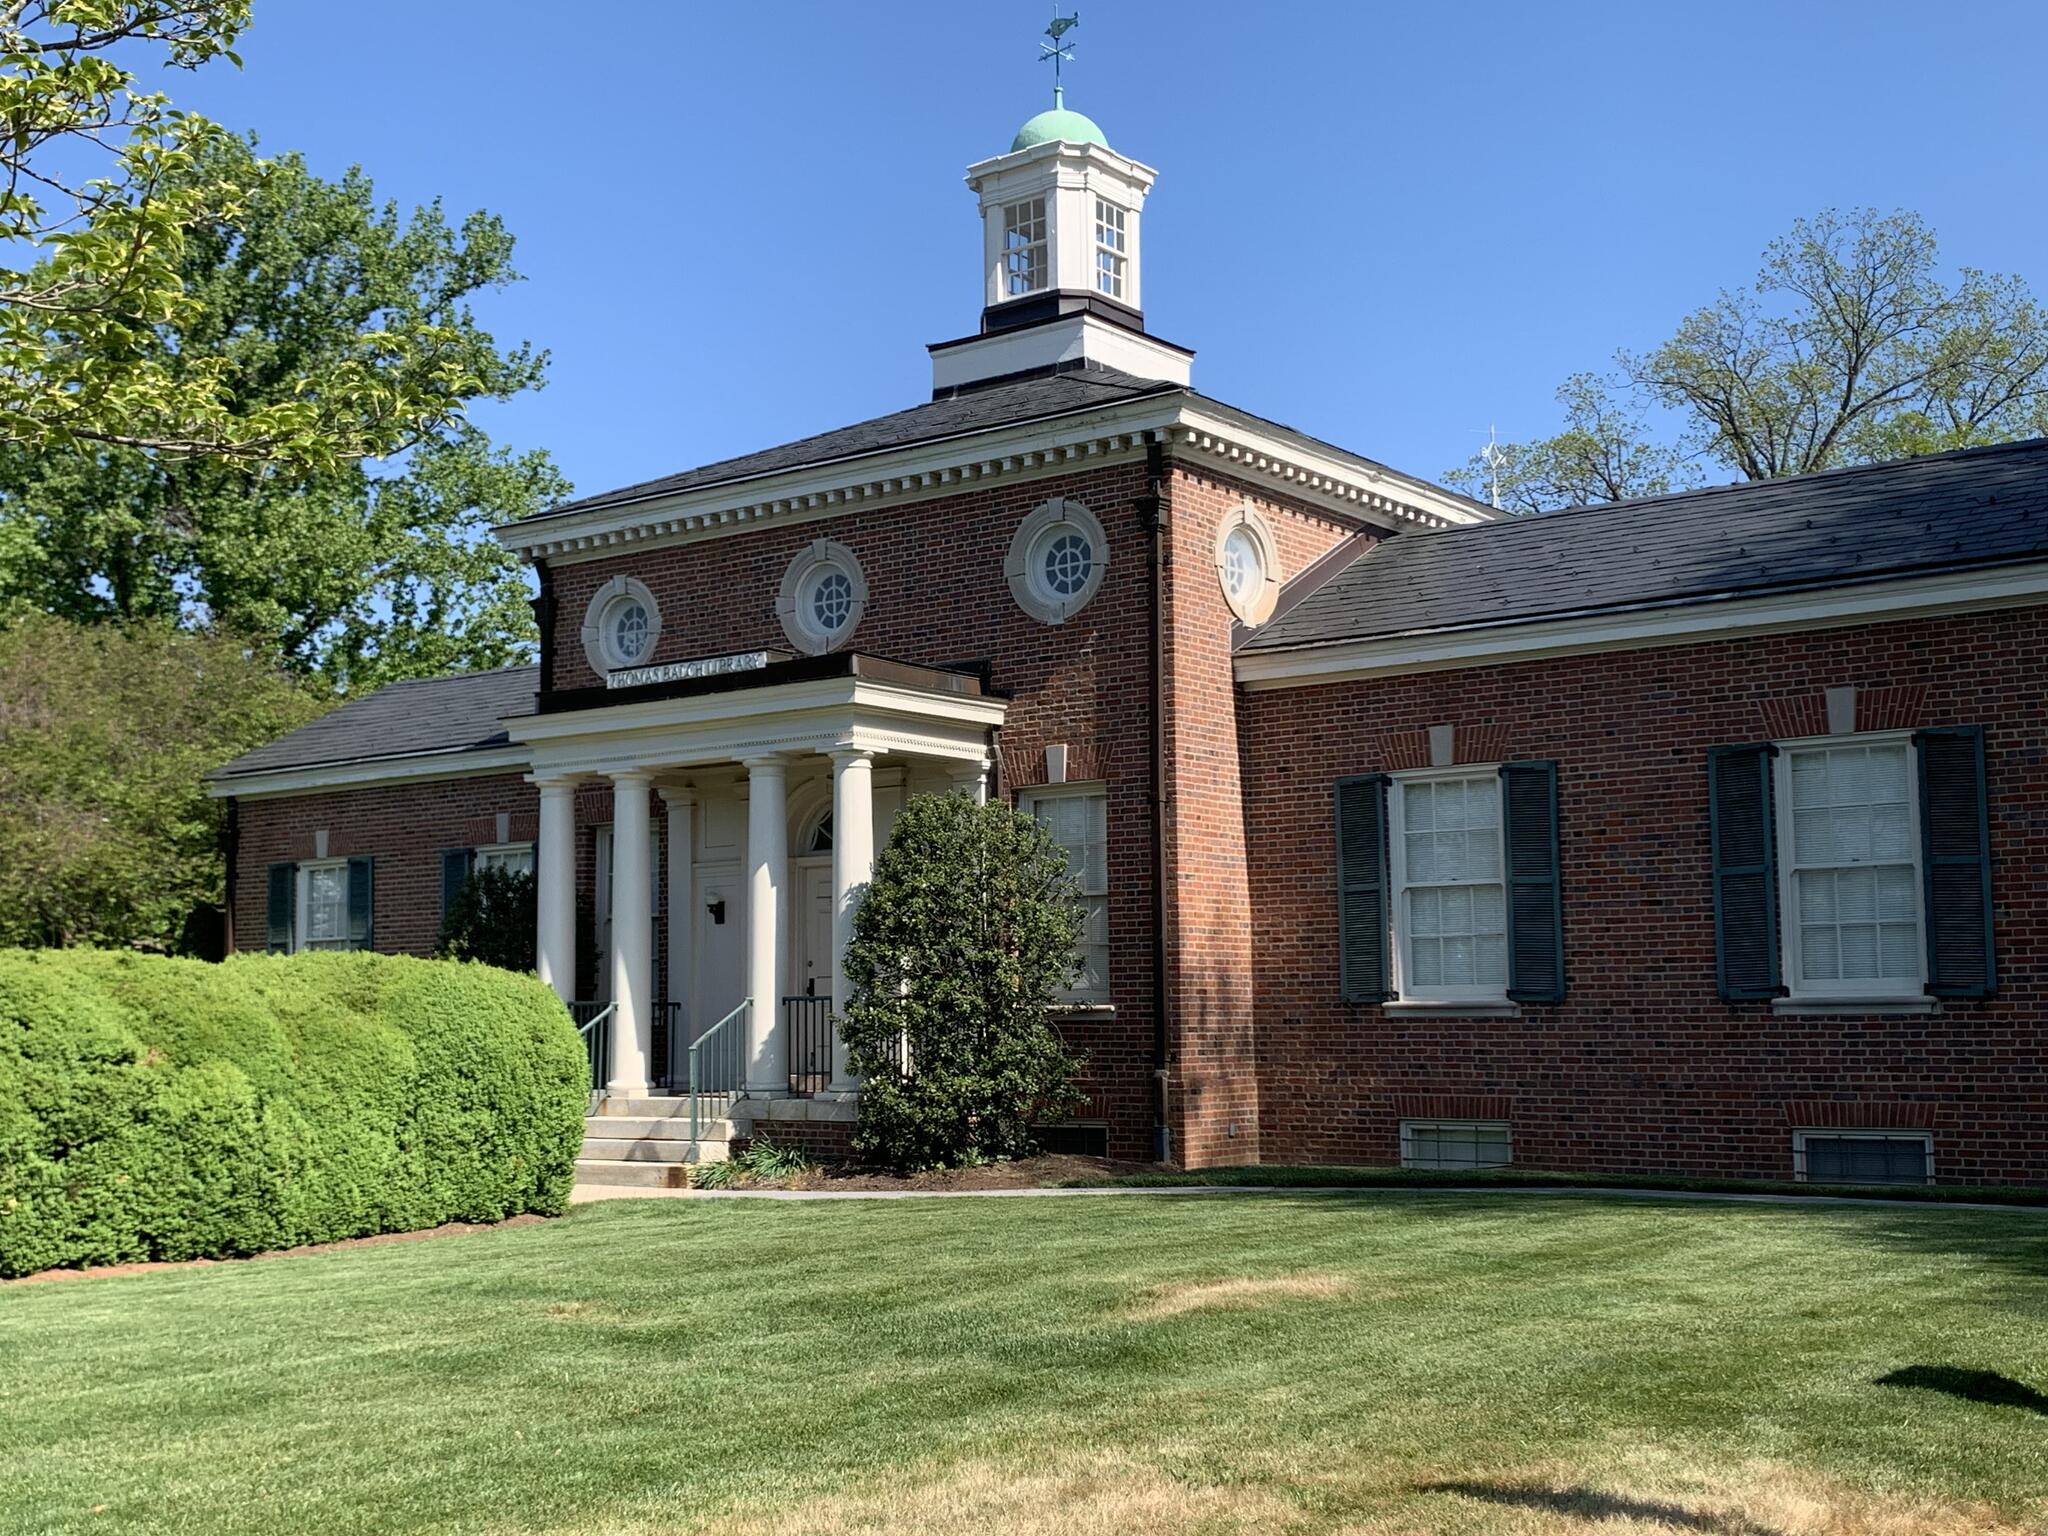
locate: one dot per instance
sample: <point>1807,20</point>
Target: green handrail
<point>595,1039</point>
<point>696,1048</point>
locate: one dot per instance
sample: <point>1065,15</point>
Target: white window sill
<point>1090,1010</point>
<point>1836,1005</point>
<point>1430,1007</point>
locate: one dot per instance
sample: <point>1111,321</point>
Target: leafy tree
<point>1850,348</point>
<point>963,937</point>
<point>108,835</point>
<point>1601,455</point>
<point>361,572</point>
<point>492,920</point>
<point>100,186</point>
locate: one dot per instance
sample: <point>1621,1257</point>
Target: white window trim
<point>302,907</point>
<point>1256,606</point>
<point>1410,1127</point>
<point>598,649</point>
<point>500,851</point>
<point>1041,247</point>
<point>1080,1000</point>
<point>1861,1133</point>
<point>793,612</point>
<point>1023,567</point>
<point>1884,990</point>
<point>1110,278</point>
<point>1397,873</point>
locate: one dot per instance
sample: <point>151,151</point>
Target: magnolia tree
<point>491,920</point>
<point>961,944</point>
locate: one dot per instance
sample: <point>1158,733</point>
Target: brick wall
<point>1212,1081</point>
<point>1643,1067</point>
<point>403,827</point>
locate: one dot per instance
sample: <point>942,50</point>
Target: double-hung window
<point>1849,851</point>
<point>323,905</point>
<point>1112,249</point>
<point>1853,869</point>
<point>512,858</point>
<point>320,904</point>
<point>1448,887</point>
<point>1077,818</point>
<point>1024,247</point>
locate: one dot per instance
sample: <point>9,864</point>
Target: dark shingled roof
<point>999,405</point>
<point>966,411</point>
<point>1976,506</point>
<point>431,714</point>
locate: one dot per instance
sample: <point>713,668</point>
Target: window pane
<point>1866,1159</point>
<point>1454,1145</point>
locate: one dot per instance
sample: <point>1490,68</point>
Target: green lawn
<point>1395,1363</point>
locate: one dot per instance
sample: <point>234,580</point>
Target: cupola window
<point>1024,247</point>
<point>1111,248</point>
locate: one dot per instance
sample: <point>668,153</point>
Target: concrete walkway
<point>584,1194</point>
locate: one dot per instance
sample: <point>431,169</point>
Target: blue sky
<point>1388,226</point>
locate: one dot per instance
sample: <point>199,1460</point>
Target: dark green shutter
<point>1362,963</point>
<point>1535,902</point>
<point>1955,845</point>
<point>360,904</point>
<point>283,908</point>
<point>456,864</point>
<point>1745,871</point>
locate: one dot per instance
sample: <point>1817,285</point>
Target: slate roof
<point>1976,506</point>
<point>452,714</point>
<point>959,414</point>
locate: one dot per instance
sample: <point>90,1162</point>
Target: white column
<point>632,936</point>
<point>767,883</point>
<point>853,865</point>
<point>682,804</point>
<point>555,887</point>
<point>972,780</point>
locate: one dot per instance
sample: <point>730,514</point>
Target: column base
<point>839,1092</point>
<point>766,1093</point>
<point>618,1089</point>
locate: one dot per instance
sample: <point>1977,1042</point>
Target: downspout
<point>231,847</point>
<point>544,621</point>
<point>1152,514</point>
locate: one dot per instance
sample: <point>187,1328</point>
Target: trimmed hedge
<point>170,1109</point>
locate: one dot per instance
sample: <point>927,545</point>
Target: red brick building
<point>1707,834</point>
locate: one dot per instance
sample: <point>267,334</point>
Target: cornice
<point>1365,494</point>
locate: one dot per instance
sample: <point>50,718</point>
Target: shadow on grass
<point>1971,1386</point>
<point>1590,1504</point>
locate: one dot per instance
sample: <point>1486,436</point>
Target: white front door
<point>810,968</point>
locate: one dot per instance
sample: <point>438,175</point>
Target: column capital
<point>766,762</point>
<point>677,794</point>
<point>554,781</point>
<point>844,753</point>
<point>631,776</point>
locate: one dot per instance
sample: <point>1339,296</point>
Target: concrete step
<point>605,1148</point>
<point>635,1175</point>
<point>659,1106</point>
<point>655,1127</point>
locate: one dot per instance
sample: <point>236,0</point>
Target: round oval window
<point>831,601</point>
<point>629,631</point>
<point>1243,569</point>
<point>1069,560</point>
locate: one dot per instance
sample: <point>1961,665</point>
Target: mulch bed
<point>1024,1173</point>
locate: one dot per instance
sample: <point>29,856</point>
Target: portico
<point>777,782</point>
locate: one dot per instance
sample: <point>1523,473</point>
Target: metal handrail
<point>594,1041</point>
<point>696,1081</point>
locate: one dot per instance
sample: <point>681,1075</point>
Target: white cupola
<point>1062,257</point>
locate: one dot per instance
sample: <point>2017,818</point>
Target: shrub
<point>492,920</point>
<point>962,940</point>
<point>168,1109</point>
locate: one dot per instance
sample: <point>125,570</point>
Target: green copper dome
<point>1059,123</point>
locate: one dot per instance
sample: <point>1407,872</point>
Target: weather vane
<point>1059,52</point>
